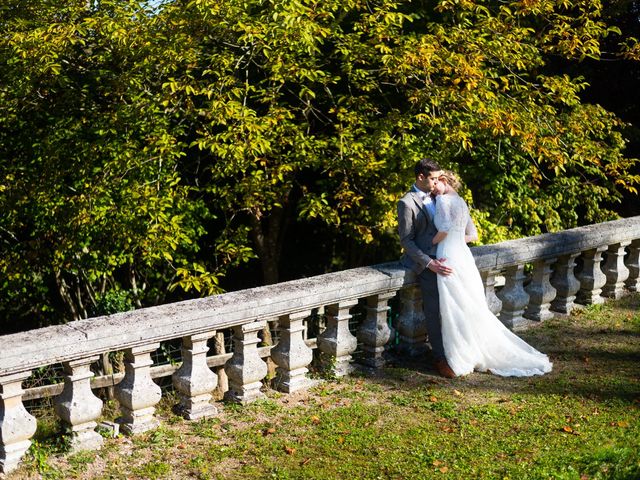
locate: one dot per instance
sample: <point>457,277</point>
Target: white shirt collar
<point>424,196</point>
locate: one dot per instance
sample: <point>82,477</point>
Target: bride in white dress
<point>473,337</point>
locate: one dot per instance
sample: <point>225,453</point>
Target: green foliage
<point>155,151</point>
<point>113,301</point>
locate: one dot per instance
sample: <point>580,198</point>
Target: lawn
<point>579,422</point>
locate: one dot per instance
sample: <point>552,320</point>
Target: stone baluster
<point>137,392</point>
<point>17,426</point>
<point>291,354</point>
<point>489,280</point>
<point>591,277</point>
<point>337,343</point>
<point>78,407</point>
<point>514,297</point>
<point>540,291</point>
<point>374,333</point>
<point>633,264</point>
<point>565,283</point>
<point>412,327</point>
<point>245,368</point>
<point>615,270</point>
<point>194,380</point>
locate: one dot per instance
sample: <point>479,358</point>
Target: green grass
<point>579,422</point>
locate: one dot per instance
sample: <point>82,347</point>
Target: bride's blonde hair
<point>450,179</point>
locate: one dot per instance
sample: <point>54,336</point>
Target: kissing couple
<point>435,226</point>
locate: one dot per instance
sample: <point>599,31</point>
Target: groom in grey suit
<point>416,210</point>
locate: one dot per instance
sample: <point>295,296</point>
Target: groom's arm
<point>407,232</point>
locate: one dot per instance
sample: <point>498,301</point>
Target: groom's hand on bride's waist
<point>440,267</point>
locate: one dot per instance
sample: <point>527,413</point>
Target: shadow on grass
<point>595,356</point>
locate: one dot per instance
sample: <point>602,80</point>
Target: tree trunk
<point>65,295</point>
<point>268,236</point>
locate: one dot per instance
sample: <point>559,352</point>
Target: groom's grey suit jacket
<point>416,230</point>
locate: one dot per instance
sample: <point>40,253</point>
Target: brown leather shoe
<point>444,369</point>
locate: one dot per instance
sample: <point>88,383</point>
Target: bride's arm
<point>470,231</point>
<point>442,219</point>
<point>440,236</point>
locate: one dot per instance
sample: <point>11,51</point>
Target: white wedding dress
<point>473,337</point>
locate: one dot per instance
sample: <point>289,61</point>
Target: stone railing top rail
<point>85,338</point>
<point>552,245</point>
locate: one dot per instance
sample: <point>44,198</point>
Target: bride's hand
<point>438,266</point>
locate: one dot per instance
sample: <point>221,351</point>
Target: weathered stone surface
<point>633,264</point>
<point>374,333</point>
<point>78,407</point>
<point>337,341</point>
<point>246,369</point>
<point>17,426</point>
<point>291,354</point>
<point>412,326</point>
<point>591,277</point>
<point>514,297</point>
<point>565,283</point>
<point>540,291</point>
<point>615,270</point>
<point>194,380</point>
<point>489,281</point>
<point>137,392</point>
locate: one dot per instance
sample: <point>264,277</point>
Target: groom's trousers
<point>431,307</point>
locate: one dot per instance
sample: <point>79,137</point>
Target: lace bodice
<point>452,214</point>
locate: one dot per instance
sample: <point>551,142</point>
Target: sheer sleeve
<point>470,231</point>
<point>443,219</point>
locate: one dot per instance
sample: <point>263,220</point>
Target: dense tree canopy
<point>147,152</point>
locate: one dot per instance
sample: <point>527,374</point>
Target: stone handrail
<point>540,279</point>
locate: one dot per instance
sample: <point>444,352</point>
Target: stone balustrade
<point>543,275</point>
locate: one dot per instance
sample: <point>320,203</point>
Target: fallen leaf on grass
<point>315,419</point>
<point>341,440</point>
<point>568,429</point>
<point>436,463</point>
<point>289,450</point>
<point>268,431</point>
<point>305,461</point>
<point>433,398</point>
<point>444,469</point>
<point>621,424</point>
<point>457,393</point>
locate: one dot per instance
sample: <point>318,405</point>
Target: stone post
<point>514,297</point>
<point>291,354</point>
<point>78,407</point>
<point>633,264</point>
<point>540,291</point>
<point>194,380</point>
<point>412,326</point>
<point>245,368</point>
<point>336,342</point>
<point>137,392</point>
<point>565,283</point>
<point>489,281</point>
<point>17,426</point>
<point>615,270</point>
<point>591,277</point>
<point>374,333</point>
